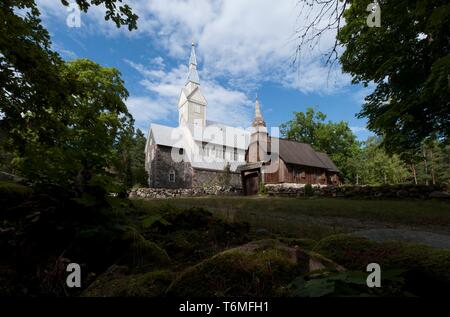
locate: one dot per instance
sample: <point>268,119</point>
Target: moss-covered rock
<point>192,235</point>
<point>117,284</point>
<point>144,255</point>
<point>350,251</point>
<point>425,268</point>
<point>260,268</point>
<point>307,244</point>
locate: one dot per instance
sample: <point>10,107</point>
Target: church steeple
<point>193,74</point>
<point>259,138</point>
<point>258,121</point>
<point>192,104</point>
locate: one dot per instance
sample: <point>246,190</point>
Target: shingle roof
<point>293,152</point>
<point>163,135</point>
<point>327,161</point>
<point>216,166</point>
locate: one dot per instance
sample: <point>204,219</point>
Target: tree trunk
<point>425,164</point>
<point>433,174</point>
<point>413,169</point>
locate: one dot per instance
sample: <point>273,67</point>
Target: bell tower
<point>258,148</point>
<point>192,103</point>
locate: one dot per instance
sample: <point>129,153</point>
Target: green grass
<point>311,218</point>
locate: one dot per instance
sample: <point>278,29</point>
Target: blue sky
<point>244,47</point>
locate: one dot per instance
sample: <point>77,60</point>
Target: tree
<point>119,14</point>
<point>407,58</point>
<point>130,163</point>
<point>30,78</point>
<point>139,174</point>
<point>377,167</point>
<point>432,163</point>
<point>336,139</point>
<point>92,122</point>
<point>409,61</point>
<point>40,96</point>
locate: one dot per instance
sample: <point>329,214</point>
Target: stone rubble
<point>298,190</point>
<point>386,191</point>
<point>159,193</point>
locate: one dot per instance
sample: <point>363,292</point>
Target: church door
<point>251,182</point>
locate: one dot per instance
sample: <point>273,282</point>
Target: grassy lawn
<point>315,218</point>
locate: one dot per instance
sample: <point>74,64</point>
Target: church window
<point>223,152</point>
<point>235,154</point>
<point>172,176</point>
<point>197,108</point>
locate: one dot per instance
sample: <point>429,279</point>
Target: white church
<point>199,152</point>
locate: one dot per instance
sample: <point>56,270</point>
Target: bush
<point>262,188</point>
<point>12,193</point>
<point>194,234</point>
<point>308,190</point>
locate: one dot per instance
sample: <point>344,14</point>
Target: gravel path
<point>423,237</point>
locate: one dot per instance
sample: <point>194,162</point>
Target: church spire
<point>258,121</point>
<point>193,74</point>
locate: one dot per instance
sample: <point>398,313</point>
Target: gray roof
<point>299,153</point>
<point>163,135</point>
<point>327,161</point>
<point>168,136</point>
<point>216,166</point>
<point>249,166</point>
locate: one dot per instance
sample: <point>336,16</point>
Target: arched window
<point>172,176</point>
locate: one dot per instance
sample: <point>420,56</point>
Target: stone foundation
<point>206,178</point>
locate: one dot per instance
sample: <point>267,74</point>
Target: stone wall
<point>206,178</point>
<point>363,192</point>
<point>162,165</point>
<point>155,193</point>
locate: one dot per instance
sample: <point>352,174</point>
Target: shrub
<point>262,188</point>
<point>308,190</point>
<point>12,193</point>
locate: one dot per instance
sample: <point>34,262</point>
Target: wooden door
<point>251,182</point>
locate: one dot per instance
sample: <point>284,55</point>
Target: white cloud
<point>245,41</point>
<point>145,110</point>
<point>358,129</point>
<point>316,77</point>
<point>65,53</point>
<point>225,105</point>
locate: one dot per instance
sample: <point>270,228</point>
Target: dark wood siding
<point>292,173</point>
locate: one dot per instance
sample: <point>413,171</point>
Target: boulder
<point>115,283</point>
<point>260,269</point>
<point>439,194</point>
<point>143,255</point>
